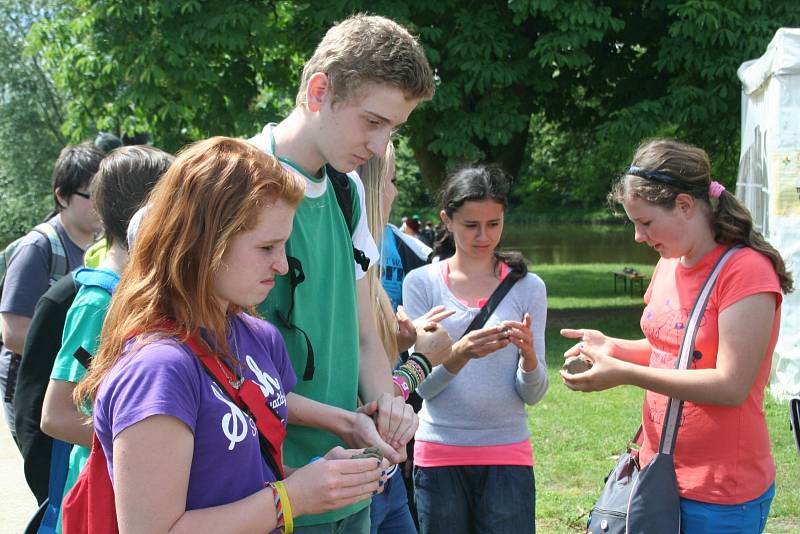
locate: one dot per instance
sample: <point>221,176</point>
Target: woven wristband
<point>423,360</point>
<point>288,519</point>
<point>278,507</point>
<point>410,377</point>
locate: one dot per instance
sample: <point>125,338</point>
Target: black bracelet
<point>423,361</point>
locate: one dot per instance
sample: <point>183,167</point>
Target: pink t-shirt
<point>479,303</point>
<point>722,454</point>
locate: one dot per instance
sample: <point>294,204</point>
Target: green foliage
<point>31,113</point>
<point>413,198</point>
<point>558,93</point>
<point>180,70</point>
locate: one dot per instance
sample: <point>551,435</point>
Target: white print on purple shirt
<point>234,424</point>
<point>269,386</point>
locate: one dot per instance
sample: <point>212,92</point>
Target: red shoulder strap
<point>250,398</point>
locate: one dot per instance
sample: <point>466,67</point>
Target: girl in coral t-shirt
<point>723,461</point>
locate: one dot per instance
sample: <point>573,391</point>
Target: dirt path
<point>17,503</point>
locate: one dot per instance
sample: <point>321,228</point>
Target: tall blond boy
<point>365,78</point>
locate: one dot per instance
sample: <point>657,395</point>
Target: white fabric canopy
<point>769,178</point>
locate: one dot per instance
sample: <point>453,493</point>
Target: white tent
<point>769,178</point>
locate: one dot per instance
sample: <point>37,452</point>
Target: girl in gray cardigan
<point>473,456</point>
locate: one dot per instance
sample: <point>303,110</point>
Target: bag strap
<point>494,300</point>
<point>297,277</point>
<point>58,255</point>
<point>794,419</point>
<point>342,189</point>
<point>59,467</point>
<point>672,416</point>
<point>251,399</point>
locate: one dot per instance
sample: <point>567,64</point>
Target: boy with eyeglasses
<point>29,273</point>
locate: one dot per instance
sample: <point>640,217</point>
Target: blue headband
<point>660,177</point>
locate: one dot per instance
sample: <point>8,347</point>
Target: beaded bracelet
<point>412,373</point>
<point>283,508</point>
<point>410,379</point>
<point>422,360</point>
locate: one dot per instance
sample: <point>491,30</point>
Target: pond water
<point>548,243</point>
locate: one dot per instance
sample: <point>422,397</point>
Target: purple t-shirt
<point>165,378</point>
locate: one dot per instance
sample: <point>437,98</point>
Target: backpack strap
<point>104,279</point>
<point>344,197</point>
<point>58,255</point>
<point>297,277</point>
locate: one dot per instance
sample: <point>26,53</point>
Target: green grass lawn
<point>576,436</point>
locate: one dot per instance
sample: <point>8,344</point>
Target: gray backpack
<point>646,501</point>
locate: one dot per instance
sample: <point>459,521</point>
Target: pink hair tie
<point>715,189</point>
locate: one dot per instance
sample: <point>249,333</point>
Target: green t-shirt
<point>81,329</point>
<point>325,308</point>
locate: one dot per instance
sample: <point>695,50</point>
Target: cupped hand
<point>396,423</point>
<point>326,485</point>
<point>606,372</point>
<point>364,433</point>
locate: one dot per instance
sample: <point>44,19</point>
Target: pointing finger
<point>572,333</point>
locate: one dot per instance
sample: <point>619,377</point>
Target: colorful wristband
<point>403,385</point>
<point>278,507</point>
<point>288,519</point>
<point>422,360</point>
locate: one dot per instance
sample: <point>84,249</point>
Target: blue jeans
<point>746,518</point>
<point>9,363</point>
<point>389,513</point>
<point>475,499</point>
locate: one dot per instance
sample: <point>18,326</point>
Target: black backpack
<point>41,347</point>
<point>38,356</point>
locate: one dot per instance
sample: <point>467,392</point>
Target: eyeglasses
<point>87,196</point>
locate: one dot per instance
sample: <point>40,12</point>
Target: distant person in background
<point>30,269</point>
<point>723,462</point>
<point>427,235</point>
<point>107,141</point>
<point>412,226</point>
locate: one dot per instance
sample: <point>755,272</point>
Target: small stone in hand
<point>575,365</point>
<point>369,452</point>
